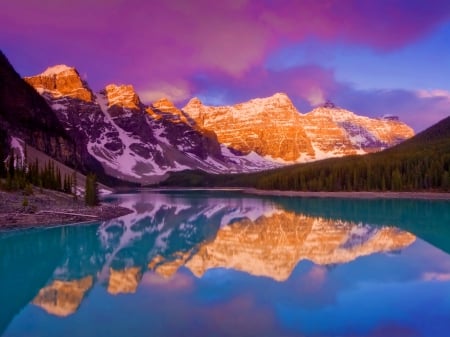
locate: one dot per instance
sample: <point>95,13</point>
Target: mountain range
<point>113,133</point>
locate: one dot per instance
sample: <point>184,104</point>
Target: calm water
<point>224,264</point>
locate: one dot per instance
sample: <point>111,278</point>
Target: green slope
<point>420,163</point>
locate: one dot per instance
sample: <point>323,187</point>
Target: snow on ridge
<point>55,70</point>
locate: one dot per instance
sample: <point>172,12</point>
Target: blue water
<point>226,264</point>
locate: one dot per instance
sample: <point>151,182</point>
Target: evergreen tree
<point>2,167</point>
<point>74,185</point>
<point>11,167</point>
<point>91,190</point>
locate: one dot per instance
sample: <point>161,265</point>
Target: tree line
<point>17,174</point>
<point>365,173</point>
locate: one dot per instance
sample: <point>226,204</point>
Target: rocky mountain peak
<point>164,104</point>
<point>193,103</point>
<point>57,70</point>
<point>123,96</point>
<point>278,102</point>
<point>61,81</point>
<point>332,111</point>
<point>164,108</point>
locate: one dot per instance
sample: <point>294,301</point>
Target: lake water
<point>203,263</point>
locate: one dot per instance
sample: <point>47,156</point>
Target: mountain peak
<point>329,104</point>
<point>122,95</point>
<point>165,107</point>
<point>194,101</point>
<point>163,104</point>
<point>331,110</point>
<point>57,69</point>
<point>61,81</point>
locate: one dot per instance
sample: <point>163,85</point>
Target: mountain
<point>25,115</point>
<point>135,142</point>
<point>420,163</point>
<point>274,128</point>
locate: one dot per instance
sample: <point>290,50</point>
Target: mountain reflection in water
<point>166,232</point>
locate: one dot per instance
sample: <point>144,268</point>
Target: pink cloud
<point>382,24</point>
<point>148,43</point>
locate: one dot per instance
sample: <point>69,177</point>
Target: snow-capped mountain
<point>133,141</point>
<point>142,143</point>
<point>272,127</point>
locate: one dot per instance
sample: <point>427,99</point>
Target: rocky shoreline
<point>50,208</point>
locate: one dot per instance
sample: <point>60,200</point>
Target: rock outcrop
<point>122,96</point>
<point>61,81</point>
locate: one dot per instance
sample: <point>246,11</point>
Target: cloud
<point>436,93</point>
<point>175,39</point>
<point>173,91</point>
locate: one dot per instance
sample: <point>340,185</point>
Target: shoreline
<point>51,209</point>
<point>352,195</point>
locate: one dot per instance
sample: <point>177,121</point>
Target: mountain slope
<point>274,128</point>
<point>25,114</point>
<point>420,163</point>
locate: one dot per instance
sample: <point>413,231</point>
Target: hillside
<point>420,163</point>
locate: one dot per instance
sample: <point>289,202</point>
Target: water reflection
<point>170,234</point>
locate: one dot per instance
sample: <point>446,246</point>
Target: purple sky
<point>373,57</point>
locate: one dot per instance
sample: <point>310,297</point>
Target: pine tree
<point>91,190</point>
<point>74,185</point>
<point>11,167</point>
<point>2,166</point>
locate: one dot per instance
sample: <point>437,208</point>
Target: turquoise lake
<point>222,263</point>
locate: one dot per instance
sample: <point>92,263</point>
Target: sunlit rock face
<point>124,281</point>
<point>62,298</point>
<point>164,108</point>
<point>273,127</point>
<point>340,132</point>
<point>268,126</point>
<point>122,96</point>
<point>59,81</point>
<point>273,245</point>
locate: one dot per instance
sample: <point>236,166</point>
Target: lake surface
<point>204,263</point>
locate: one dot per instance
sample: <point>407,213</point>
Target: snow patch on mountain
<point>56,70</point>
